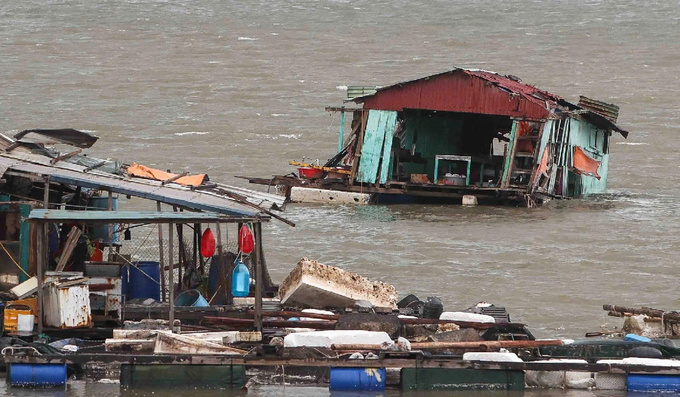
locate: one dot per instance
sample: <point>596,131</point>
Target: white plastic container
<point>25,322</point>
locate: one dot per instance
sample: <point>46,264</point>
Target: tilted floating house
<point>465,132</point>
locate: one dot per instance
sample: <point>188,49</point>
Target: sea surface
<point>239,88</point>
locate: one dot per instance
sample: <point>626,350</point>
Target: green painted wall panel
<point>24,241</point>
<point>460,379</point>
<point>178,375</point>
<point>432,135</point>
<point>592,140</point>
<point>380,124</point>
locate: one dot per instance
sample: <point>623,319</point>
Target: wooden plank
<point>183,344</point>
<point>489,345</point>
<point>65,156</point>
<point>358,148</point>
<point>69,246</point>
<point>379,121</point>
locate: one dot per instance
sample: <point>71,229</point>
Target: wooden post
<point>222,269</point>
<point>43,253</point>
<point>111,228</point>
<point>341,136</point>
<point>171,281</point>
<point>161,251</point>
<point>257,264</point>
<point>42,256</point>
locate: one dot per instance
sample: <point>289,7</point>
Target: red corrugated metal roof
<point>469,91</point>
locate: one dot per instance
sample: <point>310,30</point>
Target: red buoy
<point>245,240</point>
<point>208,243</point>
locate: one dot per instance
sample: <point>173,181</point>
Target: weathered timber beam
<point>65,156</point>
<point>490,345</point>
<point>643,310</point>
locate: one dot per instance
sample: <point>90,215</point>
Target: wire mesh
<point>146,245</point>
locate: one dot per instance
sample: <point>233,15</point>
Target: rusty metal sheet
<point>466,91</point>
<point>67,136</point>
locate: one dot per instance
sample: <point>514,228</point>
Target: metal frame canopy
<point>42,217</point>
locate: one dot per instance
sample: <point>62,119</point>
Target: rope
<point>13,261</point>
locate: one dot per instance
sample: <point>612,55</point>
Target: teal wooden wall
<point>433,135</point>
<point>377,141</point>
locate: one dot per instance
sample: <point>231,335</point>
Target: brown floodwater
<point>238,88</point>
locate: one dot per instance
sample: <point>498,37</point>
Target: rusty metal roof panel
<point>607,110</point>
<point>467,91</point>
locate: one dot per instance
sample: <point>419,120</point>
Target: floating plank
<point>182,344</point>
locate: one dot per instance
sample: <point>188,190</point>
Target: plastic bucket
<point>144,281</point>
<point>365,379</point>
<point>191,298</point>
<point>37,374</point>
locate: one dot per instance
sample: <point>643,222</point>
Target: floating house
<point>464,132</point>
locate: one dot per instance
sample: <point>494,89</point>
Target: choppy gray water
<point>238,87</point>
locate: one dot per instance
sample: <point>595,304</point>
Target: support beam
<point>341,136</point>
<point>171,278</point>
<point>161,252</point>
<point>257,262</point>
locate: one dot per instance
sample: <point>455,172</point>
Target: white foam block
<point>465,316</point>
<point>495,357</point>
<point>328,338</point>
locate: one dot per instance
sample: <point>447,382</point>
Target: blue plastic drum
<point>350,379</point>
<point>653,383</point>
<point>33,375</point>
<point>144,281</point>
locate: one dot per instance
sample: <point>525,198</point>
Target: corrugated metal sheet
<point>354,91</point>
<point>607,110</point>
<point>125,216</point>
<point>149,189</point>
<point>466,91</point>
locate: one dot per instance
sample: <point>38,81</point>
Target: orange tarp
<point>585,164</point>
<point>525,129</point>
<point>151,173</point>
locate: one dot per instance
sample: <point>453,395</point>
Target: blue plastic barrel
<point>240,280</point>
<point>349,379</point>
<point>37,375</point>
<point>653,383</point>
<point>191,298</point>
<point>143,282</point>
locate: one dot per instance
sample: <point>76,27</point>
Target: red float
<point>245,240</point>
<point>208,243</point>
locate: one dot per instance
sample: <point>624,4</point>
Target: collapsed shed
<point>63,229</point>
<point>466,132</point>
